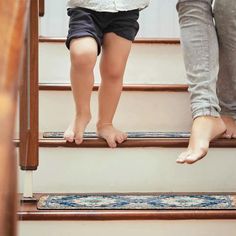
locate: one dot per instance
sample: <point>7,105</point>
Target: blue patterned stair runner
<point>59,135</point>
<point>137,202</point>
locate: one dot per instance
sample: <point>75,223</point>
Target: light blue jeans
<point>209,47</point>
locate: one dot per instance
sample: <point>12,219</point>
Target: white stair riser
<point>137,228</point>
<point>132,170</point>
<point>137,111</point>
<point>148,63</point>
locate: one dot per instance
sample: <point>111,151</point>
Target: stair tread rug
<point>136,202</point>
<point>130,135</point>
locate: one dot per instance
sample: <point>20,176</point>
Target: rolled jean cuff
<point>205,112</point>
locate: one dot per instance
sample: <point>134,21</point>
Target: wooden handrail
<point>12,30</point>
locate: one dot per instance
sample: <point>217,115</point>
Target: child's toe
<point>69,136</point>
<point>125,136</point>
<point>78,138</point>
<point>120,139</point>
<point>111,142</point>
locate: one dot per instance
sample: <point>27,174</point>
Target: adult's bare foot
<point>111,134</point>
<point>230,127</point>
<point>204,130</point>
<point>76,129</point>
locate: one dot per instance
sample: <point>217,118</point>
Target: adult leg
<point>112,66</point>
<point>83,53</point>
<point>225,18</point>
<point>200,49</point>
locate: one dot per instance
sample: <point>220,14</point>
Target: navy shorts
<point>88,23</point>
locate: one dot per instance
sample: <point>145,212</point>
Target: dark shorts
<point>88,23</point>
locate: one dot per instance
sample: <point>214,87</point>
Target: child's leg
<point>200,48</point>
<point>225,18</point>
<point>83,52</point>
<point>113,61</point>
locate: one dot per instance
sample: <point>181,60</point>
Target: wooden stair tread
<point>29,212</point>
<point>126,87</point>
<point>174,142</point>
<point>43,39</point>
<point>130,143</point>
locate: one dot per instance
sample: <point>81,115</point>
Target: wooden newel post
<point>29,95</point>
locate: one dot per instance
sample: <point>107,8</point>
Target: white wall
<point>158,20</point>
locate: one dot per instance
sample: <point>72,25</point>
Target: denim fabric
<point>201,50</point>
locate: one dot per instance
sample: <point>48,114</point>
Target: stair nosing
<point>127,215</point>
<point>131,143</point>
<point>126,87</point>
<point>44,39</point>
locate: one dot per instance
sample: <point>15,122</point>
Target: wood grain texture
<point>131,143</point>
<point>7,167</point>
<point>13,17</point>
<point>44,39</point>
<point>41,7</point>
<point>126,87</point>
<point>23,108</point>
<point>29,96</point>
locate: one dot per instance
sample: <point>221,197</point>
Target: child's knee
<point>111,73</point>
<point>83,57</point>
<point>83,60</point>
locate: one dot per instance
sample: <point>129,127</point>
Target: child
<point>113,26</point>
<point>209,53</point>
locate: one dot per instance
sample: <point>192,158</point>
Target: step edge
<point>127,215</point>
<point>126,87</point>
<point>44,39</point>
<point>132,143</point>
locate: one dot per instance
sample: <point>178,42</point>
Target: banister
<point>41,7</point>
<point>29,96</point>
<point>7,167</point>
<point>12,30</point>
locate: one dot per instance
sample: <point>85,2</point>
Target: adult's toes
<point>182,157</point>
<point>194,157</point>
<point>227,135</point>
<point>180,161</point>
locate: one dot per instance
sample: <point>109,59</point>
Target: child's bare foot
<point>230,127</point>
<point>111,134</point>
<point>76,129</point>
<point>204,130</point>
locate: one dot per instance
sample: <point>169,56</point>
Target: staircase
<point>143,165</point>
<point>154,101</point>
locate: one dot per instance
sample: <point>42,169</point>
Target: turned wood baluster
<point>29,96</point>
